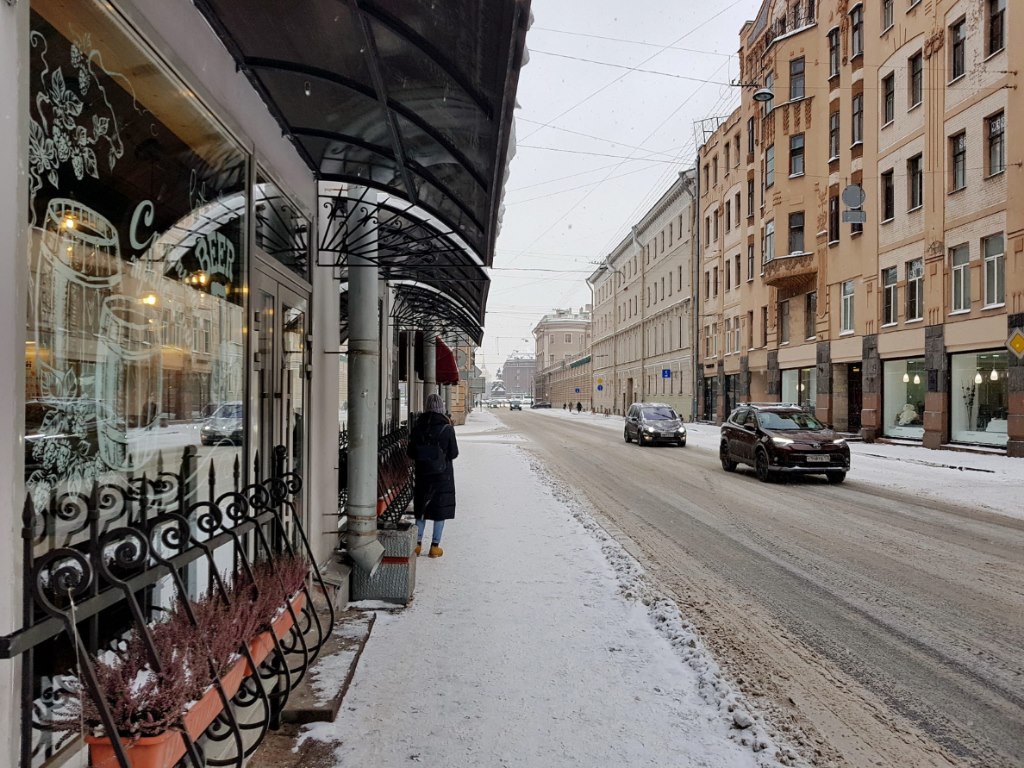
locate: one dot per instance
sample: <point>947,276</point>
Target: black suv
<point>777,438</point>
<point>650,423</point>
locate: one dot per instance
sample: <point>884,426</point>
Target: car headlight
<point>839,441</point>
<point>782,441</point>
<point>648,429</point>
<point>681,431</point>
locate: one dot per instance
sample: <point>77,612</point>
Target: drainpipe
<point>363,387</point>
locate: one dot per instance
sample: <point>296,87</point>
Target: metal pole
<point>363,386</point>
<point>411,390</point>
<point>429,364</point>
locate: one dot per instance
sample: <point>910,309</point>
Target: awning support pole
<point>429,364</point>
<point>363,406</point>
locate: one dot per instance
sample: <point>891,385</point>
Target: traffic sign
<point>577,390</point>
<point>853,196</point>
<point>855,217</point>
<point>600,387</point>
<point>1016,343</point>
<point>666,373</point>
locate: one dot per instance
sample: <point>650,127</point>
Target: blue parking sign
<point>666,373</point>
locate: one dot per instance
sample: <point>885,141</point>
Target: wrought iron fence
<point>115,558</point>
<point>394,473</point>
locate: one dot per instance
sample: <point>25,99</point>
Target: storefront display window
<point>136,263</point>
<point>281,230</point>
<point>979,398</point>
<point>800,386</point>
<point>904,383</point>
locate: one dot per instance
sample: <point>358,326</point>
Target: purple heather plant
<point>144,702</point>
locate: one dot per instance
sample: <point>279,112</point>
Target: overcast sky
<point>610,107</point>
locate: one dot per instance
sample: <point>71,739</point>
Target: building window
<point>889,299</point>
<point>916,65</point>
<point>960,258</point>
<point>888,196</point>
<point>768,243</point>
<point>736,332</point>
<point>833,219</point>
<point>714,170</point>
<point>728,336</point>
<point>915,289</point>
<point>992,248</point>
<point>764,326</point>
<point>736,263</point>
<point>979,394</point>
<point>958,162</point>
<point>769,166</point>
<point>728,275</point>
<point>957,49</point>
<point>915,182</point>
<point>728,215</point>
<point>886,14</point>
<point>727,149</point>
<point>707,286</point>
<point>714,281</point>
<point>715,225</point>
<point>810,310</point>
<point>833,136</point>
<point>903,393</point>
<point>996,26</point>
<point>796,79</point>
<point>783,322</point>
<point>833,53</point>
<point>796,232</point>
<point>996,130</point>
<point>857,123</point>
<point>846,307</point>
<point>750,262</point>
<point>796,155</point>
<point>888,98</point>
<point>568,338</point>
<point>750,136</point>
<point>750,198</point>
<point>736,209</point>
<point>856,31</point>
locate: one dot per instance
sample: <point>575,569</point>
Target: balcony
<point>795,272</point>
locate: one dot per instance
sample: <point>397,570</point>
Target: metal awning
<point>410,97</point>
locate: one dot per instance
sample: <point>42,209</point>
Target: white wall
<point>14,58</point>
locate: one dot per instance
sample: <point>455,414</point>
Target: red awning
<point>447,368</point>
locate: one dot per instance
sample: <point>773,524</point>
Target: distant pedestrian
<point>565,406</point>
<point>433,447</point>
<point>579,406</point>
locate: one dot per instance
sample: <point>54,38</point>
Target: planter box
<point>395,580</point>
<point>168,748</point>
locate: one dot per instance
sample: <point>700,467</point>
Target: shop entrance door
<point>280,325</point>
<point>855,393</point>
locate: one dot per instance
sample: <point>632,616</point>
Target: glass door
<point>280,378</point>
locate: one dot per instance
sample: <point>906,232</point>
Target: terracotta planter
<point>261,646</point>
<point>148,752</point>
<point>165,750</point>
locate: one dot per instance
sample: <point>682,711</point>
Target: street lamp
<point>760,94</point>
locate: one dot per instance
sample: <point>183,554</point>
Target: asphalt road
<point>873,629</point>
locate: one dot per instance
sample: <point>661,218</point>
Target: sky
<point>610,108</point>
<point>537,641</point>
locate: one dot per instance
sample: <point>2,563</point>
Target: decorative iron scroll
<point>101,564</point>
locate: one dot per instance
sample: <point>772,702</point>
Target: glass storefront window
<point>282,231</point>
<point>136,265</point>
<point>904,384</point>
<point>800,386</point>
<point>979,398</point>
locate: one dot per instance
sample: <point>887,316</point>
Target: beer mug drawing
<point>129,381</point>
<point>77,267</point>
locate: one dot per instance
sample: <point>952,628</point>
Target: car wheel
<point>727,463</point>
<point>764,474</point>
<point>682,443</point>
<point>625,435</point>
<point>835,478</point>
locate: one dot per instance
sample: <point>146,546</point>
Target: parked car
<point>777,438</point>
<point>650,423</point>
<point>225,425</point>
<point>540,404</point>
<point>515,405</point>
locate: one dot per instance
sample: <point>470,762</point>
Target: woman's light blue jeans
<point>421,524</point>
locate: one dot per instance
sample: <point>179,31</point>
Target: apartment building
<point>518,373</point>
<point>878,287</point>
<point>561,338</point>
<point>643,309</point>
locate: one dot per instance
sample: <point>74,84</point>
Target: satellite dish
<point>853,196</point>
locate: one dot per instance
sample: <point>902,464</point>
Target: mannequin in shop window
<point>908,415</point>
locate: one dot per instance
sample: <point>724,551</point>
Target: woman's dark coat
<point>434,495</point>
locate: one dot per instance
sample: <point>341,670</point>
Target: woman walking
<point>433,447</point>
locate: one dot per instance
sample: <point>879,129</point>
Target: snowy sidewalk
<point>535,642</point>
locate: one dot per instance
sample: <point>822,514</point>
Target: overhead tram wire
<point>631,42</point>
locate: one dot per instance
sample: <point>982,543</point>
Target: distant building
<point>562,338</point>
<point>517,374</point>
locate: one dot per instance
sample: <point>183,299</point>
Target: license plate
<point>818,458</point>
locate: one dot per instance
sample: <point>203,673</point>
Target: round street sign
<point>853,196</point>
